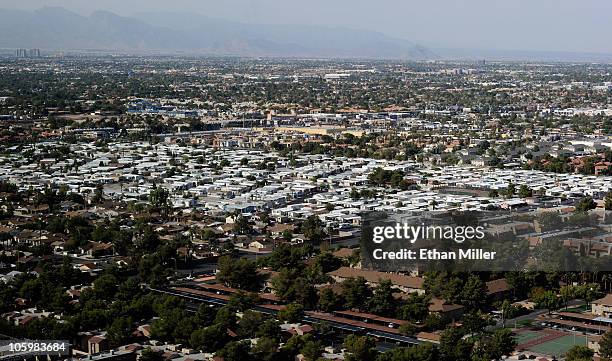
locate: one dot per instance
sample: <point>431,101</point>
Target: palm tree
<point>606,279</point>
<point>505,310</point>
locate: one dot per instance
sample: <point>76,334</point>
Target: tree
<point>291,286</point>
<point>152,271</point>
<point>249,324</point>
<point>548,300</point>
<point>422,352</point>
<point>98,197</point>
<point>408,329</point>
<point>209,339</point>
<point>549,220</point>
<point>312,349</point>
<point>382,302</point>
<point>226,316</point>
<point>241,273</point>
<point>360,348</point>
<point>242,301</point>
<point>204,316</point>
<point>159,199</point>
<point>119,331</point>
<point>60,302</point>
<point>587,292</point>
<point>505,309</point>
<point>265,349</point>
<point>605,346</point>
<point>585,204</point>
<point>510,190</point>
<point>149,355</point>
<point>579,353</point>
<point>293,346</point>
<point>235,351</point>
<point>474,292</point>
<point>171,323</point>
<point>452,289</point>
<point>567,293</point>
<point>329,301</point>
<point>146,241</point>
<point>476,322</point>
<point>327,262</point>
<point>270,328</point>
<point>122,242</point>
<point>242,225</point>
<point>312,228</point>
<point>415,308</point>
<point>264,217</point>
<point>608,201</point>
<point>292,313</point>
<point>105,286</point>
<point>525,191</point>
<point>356,293</point>
<point>285,256</point>
<point>287,235</point>
<point>434,283</point>
<point>501,342</point>
<point>453,346</point>
<point>31,290</point>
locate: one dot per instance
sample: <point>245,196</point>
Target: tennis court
<point>558,346</point>
<point>525,336</point>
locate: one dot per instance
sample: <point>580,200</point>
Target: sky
<point>545,25</point>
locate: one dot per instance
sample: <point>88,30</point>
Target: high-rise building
<point>27,53</point>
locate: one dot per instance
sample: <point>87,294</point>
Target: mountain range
<point>56,28</point>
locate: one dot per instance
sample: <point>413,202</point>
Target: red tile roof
<point>376,277</point>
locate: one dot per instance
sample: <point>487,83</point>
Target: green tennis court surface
<point>525,336</point>
<point>558,346</point>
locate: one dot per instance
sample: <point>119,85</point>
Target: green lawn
<point>558,347</point>
<point>525,323</point>
<point>577,309</point>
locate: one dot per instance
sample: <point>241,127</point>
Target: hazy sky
<point>565,25</point>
